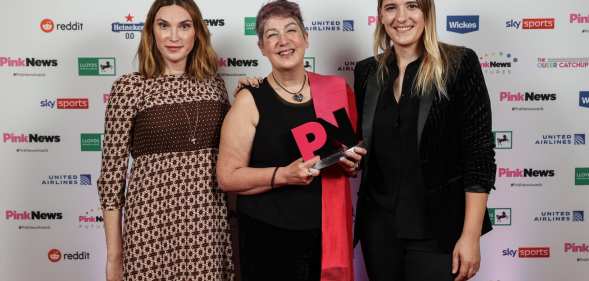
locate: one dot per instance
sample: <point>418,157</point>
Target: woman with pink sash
<point>295,220</point>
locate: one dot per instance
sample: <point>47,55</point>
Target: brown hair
<point>436,65</point>
<point>201,61</point>
<point>278,8</point>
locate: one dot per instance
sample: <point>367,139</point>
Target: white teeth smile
<point>403,28</point>
<point>286,52</point>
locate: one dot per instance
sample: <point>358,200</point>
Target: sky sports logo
<point>65,103</point>
<point>531,23</point>
<point>527,252</point>
<point>463,24</point>
<point>584,99</point>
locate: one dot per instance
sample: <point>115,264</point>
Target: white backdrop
<point>59,58</point>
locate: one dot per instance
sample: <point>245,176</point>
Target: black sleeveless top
<point>289,207</point>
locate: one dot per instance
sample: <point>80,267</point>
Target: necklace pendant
<point>298,97</point>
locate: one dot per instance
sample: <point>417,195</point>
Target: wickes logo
<point>235,62</point>
<point>524,173</point>
<point>462,24</point>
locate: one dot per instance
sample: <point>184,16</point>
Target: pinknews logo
<point>576,248</point>
<point>31,215</point>
<point>507,96</point>
<point>524,173</point>
<point>372,20</point>
<point>27,62</point>
<point>578,18</point>
<point>29,138</point>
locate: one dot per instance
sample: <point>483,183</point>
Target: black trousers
<point>267,252</point>
<point>388,258</point>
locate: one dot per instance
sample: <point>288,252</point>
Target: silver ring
<point>309,173</point>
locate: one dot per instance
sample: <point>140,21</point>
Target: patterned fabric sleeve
<point>117,141</point>
<point>477,135</point>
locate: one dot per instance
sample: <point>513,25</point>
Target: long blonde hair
<point>201,61</point>
<point>436,64</point>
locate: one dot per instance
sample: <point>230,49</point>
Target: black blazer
<point>454,137</point>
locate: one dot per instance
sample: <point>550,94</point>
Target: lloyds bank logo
<point>90,142</point>
<point>97,66</point>
<point>249,25</point>
<point>582,176</point>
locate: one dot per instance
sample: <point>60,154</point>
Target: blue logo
<point>348,25</point>
<point>462,24</point>
<point>85,179</point>
<point>578,215</point>
<point>584,99</point>
<point>579,139</point>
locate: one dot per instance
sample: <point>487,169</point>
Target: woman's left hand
<point>466,258</point>
<point>351,162</point>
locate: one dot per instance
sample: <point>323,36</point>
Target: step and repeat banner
<point>58,60</point>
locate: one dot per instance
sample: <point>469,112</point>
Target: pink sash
<point>330,93</point>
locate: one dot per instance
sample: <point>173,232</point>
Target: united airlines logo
<point>463,24</point>
<point>348,25</point>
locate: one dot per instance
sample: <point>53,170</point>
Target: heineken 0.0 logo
<point>97,67</point>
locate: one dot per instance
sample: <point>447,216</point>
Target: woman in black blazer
<point>425,117</point>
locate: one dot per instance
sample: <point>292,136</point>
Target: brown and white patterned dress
<point>175,216</point>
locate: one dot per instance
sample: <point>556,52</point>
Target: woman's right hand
<point>247,81</point>
<point>298,172</point>
<point>114,269</point>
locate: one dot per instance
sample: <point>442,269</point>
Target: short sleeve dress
<point>175,216</point>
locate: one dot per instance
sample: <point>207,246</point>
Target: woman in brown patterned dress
<point>167,118</point>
